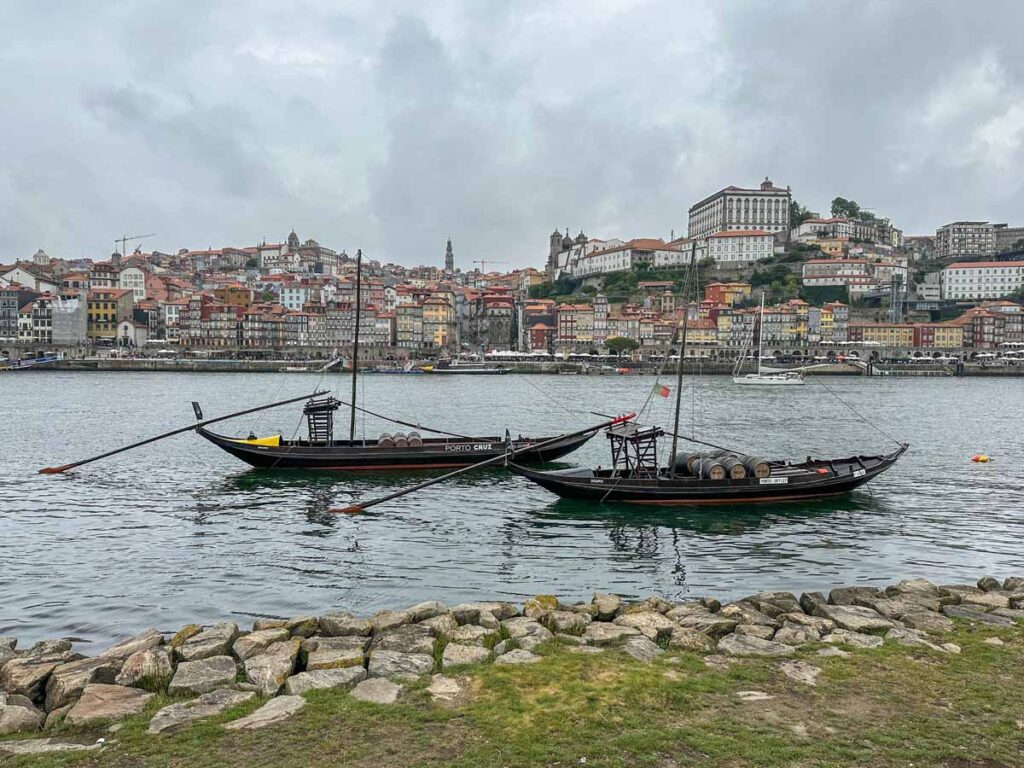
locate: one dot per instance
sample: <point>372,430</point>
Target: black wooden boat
<point>636,478</point>
<point>409,451</point>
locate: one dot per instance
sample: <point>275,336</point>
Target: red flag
<point>662,390</point>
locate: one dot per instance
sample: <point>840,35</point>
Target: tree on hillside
<point>798,214</point>
<point>1017,246</point>
<point>843,207</point>
<point>619,344</point>
<point>851,210</point>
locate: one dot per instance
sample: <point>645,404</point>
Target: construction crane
<point>484,262</point>
<point>124,241</point>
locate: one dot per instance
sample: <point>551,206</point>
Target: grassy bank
<point>892,706</point>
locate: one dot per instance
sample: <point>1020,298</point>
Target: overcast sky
<point>391,125</point>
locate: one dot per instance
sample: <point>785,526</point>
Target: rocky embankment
<point>212,669</point>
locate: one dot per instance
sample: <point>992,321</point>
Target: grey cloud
<point>389,126</point>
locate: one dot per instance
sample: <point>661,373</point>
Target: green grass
<point>883,708</point>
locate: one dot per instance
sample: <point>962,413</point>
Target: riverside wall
<point>705,368</point>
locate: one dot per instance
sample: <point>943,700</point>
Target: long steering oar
<point>189,428</point>
<point>486,463</point>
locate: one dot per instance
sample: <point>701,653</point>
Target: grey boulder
<point>151,638</point>
<point>67,681</point>
<point>456,655</point>
<point>642,649</point>
<point>18,713</point>
<point>954,612</point>
<point>324,679</point>
<point>684,639</point>
<point>517,656</point>
<point>203,676</point>
<point>601,633</point>
<point>344,625</point>
<point>651,624</point>
<point>100,702</point>
<point>269,670</point>
<point>403,666</point>
<point>855,618</point>
<point>213,641</point>
<point>335,652</point>
<point>257,642</point>
<point>273,712</point>
<point>412,638</point>
<point>748,645</point>
<point>377,691</point>
<point>150,669</point>
<point>176,717</point>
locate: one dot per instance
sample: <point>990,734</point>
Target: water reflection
<point>721,521</point>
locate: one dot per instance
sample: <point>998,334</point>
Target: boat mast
<point>760,336</point>
<point>679,368</point>
<point>355,341</point>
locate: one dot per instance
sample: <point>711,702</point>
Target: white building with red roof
<point>981,279</point>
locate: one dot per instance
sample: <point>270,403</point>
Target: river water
<point>179,531</point>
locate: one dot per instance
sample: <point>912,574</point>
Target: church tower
<point>554,248</point>
<point>449,257</point>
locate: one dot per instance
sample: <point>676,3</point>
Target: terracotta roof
<point>980,264</point>
<point>836,261</point>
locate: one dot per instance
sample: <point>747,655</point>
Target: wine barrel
<point>401,440</point>
<point>691,459</point>
<point>711,469</point>
<point>757,467</point>
<point>734,468</point>
<point>385,440</point>
<point>415,441</point>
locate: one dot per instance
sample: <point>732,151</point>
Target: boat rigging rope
<point>858,414</point>
<point>407,423</point>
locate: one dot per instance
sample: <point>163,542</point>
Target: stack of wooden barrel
<point>719,465</point>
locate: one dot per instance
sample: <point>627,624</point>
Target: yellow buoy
<point>979,458</point>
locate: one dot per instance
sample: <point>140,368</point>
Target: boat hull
<point>768,381</point>
<point>787,484</point>
<point>344,455</point>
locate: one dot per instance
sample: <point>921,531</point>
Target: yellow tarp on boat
<point>272,442</point>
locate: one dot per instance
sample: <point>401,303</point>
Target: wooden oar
<point>189,428</point>
<point>486,463</point>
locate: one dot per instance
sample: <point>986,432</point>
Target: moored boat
<point>402,451</point>
<point>636,478</point>
<point>450,368</point>
<point>764,377</point>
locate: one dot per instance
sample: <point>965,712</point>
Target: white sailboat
<point>762,378</point>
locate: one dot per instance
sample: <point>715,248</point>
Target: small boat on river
<point>455,368</point>
<point>390,451</point>
<point>717,477</point>
<point>763,377</point>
